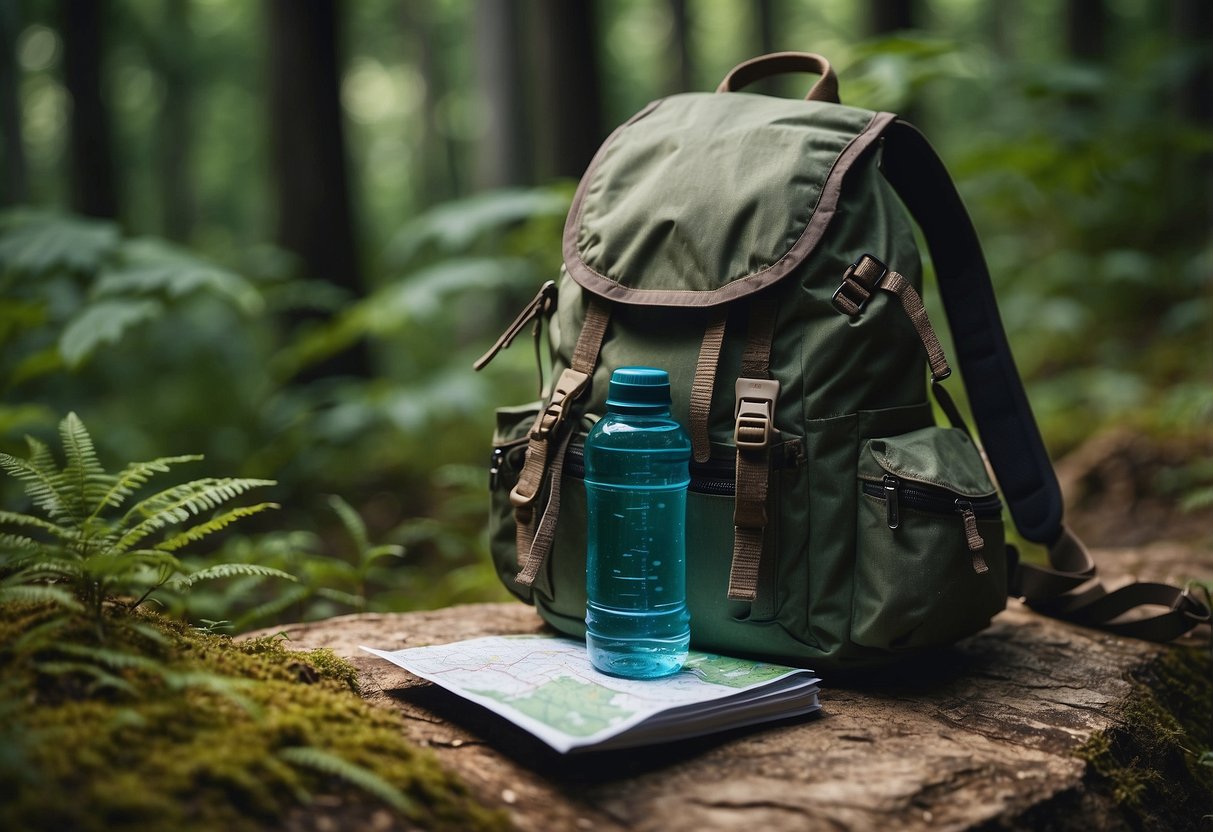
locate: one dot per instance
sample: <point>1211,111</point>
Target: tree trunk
<point>504,156</point>
<point>569,124</point>
<point>15,188</point>
<point>888,16</point>
<point>438,176</point>
<point>175,135</point>
<point>682,65</point>
<point>1086,24</point>
<point>314,217</point>
<point>1193,26</point>
<point>94,186</point>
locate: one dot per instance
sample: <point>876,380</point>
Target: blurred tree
<point>307,141</point>
<point>436,159</point>
<point>570,93</point>
<point>15,187</point>
<point>504,156</point>
<point>94,185</point>
<point>1086,29</point>
<point>172,55</point>
<point>765,15</point>
<point>1192,23</point>
<point>682,63</point>
<point>888,16</point>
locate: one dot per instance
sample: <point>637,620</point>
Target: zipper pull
<point>972,536</point>
<point>495,467</point>
<point>892,487</point>
<point>541,304</point>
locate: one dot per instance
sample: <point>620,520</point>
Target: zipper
<point>933,499</point>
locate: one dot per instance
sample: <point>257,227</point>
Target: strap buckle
<point>858,284</point>
<point>755,414</point>
<point>567,389</point>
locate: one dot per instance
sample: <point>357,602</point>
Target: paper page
<point>548,686</point>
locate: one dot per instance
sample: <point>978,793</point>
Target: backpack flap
<point>701,199</point>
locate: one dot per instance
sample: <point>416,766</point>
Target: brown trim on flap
<point>827,204</point>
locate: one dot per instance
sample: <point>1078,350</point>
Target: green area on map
<point>730,672</point>
<point>576,708</point>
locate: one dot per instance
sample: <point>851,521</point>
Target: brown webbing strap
<point>705,381</point>
<point>869,274</point>
<point>541,534</point>
<point>565,392</point>
<point>755,414</point>
<point>911,302</point>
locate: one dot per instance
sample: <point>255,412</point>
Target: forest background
<point>277,233</point>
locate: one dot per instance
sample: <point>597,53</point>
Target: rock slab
<point>983,735</point>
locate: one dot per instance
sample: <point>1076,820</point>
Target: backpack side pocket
<point>930,563</point>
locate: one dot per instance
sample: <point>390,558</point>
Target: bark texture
<point>1032,724</point>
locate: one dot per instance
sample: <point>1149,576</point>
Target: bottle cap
<point>639,389</point>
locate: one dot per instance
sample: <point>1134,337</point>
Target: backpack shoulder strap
<point>1004,419</point>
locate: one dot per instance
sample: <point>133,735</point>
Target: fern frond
<point>385,550</point>
<point>134,477</point>
<point>140,564</point>
<point>83,478</point>
<point>228,687</point>
<point>363,778</point>
<point>37,569</point>
<point>40,486</point>
<point>196,533</point>
<point>102,677</point>
<point>12,518</point>
<point>112,658</point>
<point>178,504</point>
<point>40,456</point>
<point>229,570</point>
<point>354,525</point>
<point>37,594</point>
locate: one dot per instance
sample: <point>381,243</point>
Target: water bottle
<point>636,478</point>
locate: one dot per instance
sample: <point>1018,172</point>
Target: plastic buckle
<point>858,283</point>
<point>755,413</point>
<point>567,388</point>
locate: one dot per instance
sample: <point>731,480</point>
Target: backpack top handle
<point>778,63</point>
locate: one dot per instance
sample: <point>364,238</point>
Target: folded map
<point>548,687</point>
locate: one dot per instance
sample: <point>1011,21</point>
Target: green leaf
<point>103,678</point>
<point>455,225</point>
<point>104,322</point>
<point>12,518</point>
<point>196,533</point>
<point>135,476</point>
<point>83,479</point>
<point>35,244</point>
<point>35,594</point>
<point>154,267</point>
<point>178,504</point>
<point>229,570</point>
<point>352,521</point>
<point>40,486</point>
<point>334,766</point>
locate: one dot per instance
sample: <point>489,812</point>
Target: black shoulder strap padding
<point>996,396</point>
<point>1066,588</point>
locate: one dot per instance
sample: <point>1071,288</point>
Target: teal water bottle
<point>636,478</point>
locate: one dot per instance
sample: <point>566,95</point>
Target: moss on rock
<point>164,726</point>
<point>1150,764</point>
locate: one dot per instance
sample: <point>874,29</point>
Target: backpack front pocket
<point>930,562</point>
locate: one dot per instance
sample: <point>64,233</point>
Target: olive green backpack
<point>760,250</point>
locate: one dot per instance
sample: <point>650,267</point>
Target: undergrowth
<point>201,733</point>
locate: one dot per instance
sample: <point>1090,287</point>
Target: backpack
<point>760,250</point>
